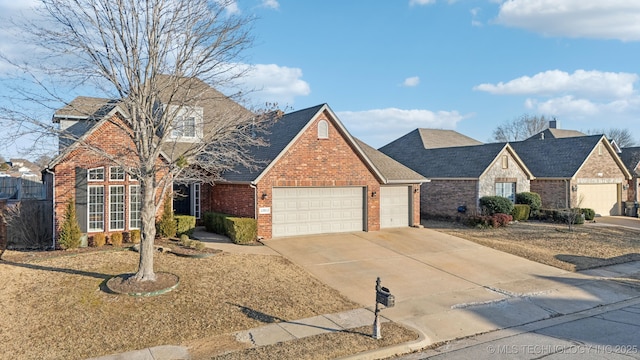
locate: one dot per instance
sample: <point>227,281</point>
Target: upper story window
<point>96,174</point>
<point>505,162</point>
<point>116,173</point>
<point>323,129</point>
<point>187,124</point>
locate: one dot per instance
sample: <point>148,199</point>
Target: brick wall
<point>495,173</point>
<point>553,193</point>
<point>443,197</point>
<point>112,139</point>
<point>233,199</point>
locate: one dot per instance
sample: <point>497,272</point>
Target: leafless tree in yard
<point>146,55</point>
<point>520,128</point>
<point>622,137</point>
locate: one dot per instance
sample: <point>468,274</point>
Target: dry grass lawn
<point>54,308</point>
<point>586,247</point>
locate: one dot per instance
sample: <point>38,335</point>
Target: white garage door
<point>603,198</point>
<point>394,206</point>
<point>302,211</point>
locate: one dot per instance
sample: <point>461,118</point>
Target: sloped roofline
<point>350,140</point>
<point>613,154</point>
<point>513,153</point>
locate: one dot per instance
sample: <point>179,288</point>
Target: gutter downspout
<point>567,193</point>
<point>255,201</point>
<point>53,204</point>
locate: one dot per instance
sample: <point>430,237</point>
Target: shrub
<point>99,239</point>
<point>496,204</point>
<point>166,226</point>
<point>589,214</point>
<point>501,220</point>
<point>70,230</point>
<point>214,222</point>
<point>185,224</point>
<point>184,240</point>
<point>529,198</point>
<point>116,239</point>
<point>521,212</point>
<point>198,245</point>
<point>486,221</point>
<point>134,236</point>
<point>241,230</point>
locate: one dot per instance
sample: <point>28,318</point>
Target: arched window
<point>323,129</point>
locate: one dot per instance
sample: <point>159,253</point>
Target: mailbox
<point>384,297</point>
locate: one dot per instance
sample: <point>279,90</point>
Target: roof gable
<point>552,133</point>
<point>437,138</point>
<point>630,156</point>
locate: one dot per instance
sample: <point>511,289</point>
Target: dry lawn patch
<point>54,308</point>
<point>586,247</point>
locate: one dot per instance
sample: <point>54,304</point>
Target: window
<point>96,174</point>
<point>135,207</point>
<point>96,208</point>
<point>184,127</point>
<point>195,196</point>
<point>599,149</point>
<point>116,207</point>
<point>505,162</point>
<point>506,189</point>
<point>116,173</point>
<point>323,129</point>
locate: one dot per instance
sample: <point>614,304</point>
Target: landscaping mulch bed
<point>585,247</point>
<point>127,284</point>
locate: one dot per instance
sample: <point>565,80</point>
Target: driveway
<point>445,286</point>
<point>624,221</point>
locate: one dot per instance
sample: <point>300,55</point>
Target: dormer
<point>187,125</point>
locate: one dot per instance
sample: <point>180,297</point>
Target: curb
<point>393,350</point>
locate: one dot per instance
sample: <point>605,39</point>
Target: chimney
<point>553,124</point>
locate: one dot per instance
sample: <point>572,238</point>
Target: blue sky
<point>388,67</point>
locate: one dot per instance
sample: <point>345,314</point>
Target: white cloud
<point>411,81</point>
<point>421,2</point>
<point>554,82</point>
<point>272,4</point>
<point>610,19</point>
<point>380,126</point>
<point>274,83</point>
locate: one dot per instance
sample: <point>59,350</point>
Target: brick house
<point>313,178</point>
<point>631,158</point>
<point>460,175</point>
<point>577,171</point>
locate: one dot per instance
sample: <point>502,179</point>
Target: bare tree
<point>622,137</point>
<point>157,59</point>
<point>520,128</point>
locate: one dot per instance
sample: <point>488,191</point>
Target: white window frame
<point>500,189</point>
<point>91,223</point>
<point>183,116</point>
<point>119,171</point>
<point>134,193</point>
<point>94,172</point>
<point>323,129</point>
<point>117,215</point>
<point>195,200</point>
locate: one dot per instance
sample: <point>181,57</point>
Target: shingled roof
<point>553,133</point>
<point>434,139</point>
<point>468,162</point>
<point>556,158</point>
<point>631,158</point>
<point>284,132</point>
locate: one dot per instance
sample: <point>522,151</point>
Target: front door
<point>181,199</point>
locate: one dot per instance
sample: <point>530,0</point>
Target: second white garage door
<point>303,211</point>
<point>603,198</point>
<point>394,206</point>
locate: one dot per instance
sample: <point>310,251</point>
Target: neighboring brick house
<point>579,171</point>
<point>460,175</point>
<point>631,158</point>
<point>313,178</point>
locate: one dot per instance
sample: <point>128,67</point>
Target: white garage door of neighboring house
<point>603,198</point>
<point>309,210</point>
<point>394,206</point>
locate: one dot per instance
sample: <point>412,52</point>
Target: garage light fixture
<point>574,188</point>
<point>373,194</point>
<point>625,186</point>
<point>264,195</point>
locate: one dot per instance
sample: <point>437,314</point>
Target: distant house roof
<point>462,162</point>
<point>559,157</point>
<point>631,158</point>
<point>83,108</point>
<point>435,139</point>
<point>553,133</point>
<point>286,129</point>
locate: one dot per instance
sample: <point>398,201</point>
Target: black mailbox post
<point>384,298</point>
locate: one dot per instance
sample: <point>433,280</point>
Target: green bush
<point>214,222</point>
<point>521,212</point>
<point>99,239</point>
<point>70,234</point>
<point>185,224</point>
<point>184,240</point>
<point>134,236</point>
<point>589,214</point>
<point>496,205</point>
<point>198,245</point>
<point>166,226</point>
<point>116,239</point>
<point>529,198</point>
<point>241,230</point>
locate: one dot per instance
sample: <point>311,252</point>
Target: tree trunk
<point>148,231</point>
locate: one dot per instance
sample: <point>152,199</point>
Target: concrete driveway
<point>624,221</point>
<point>445,286</point>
